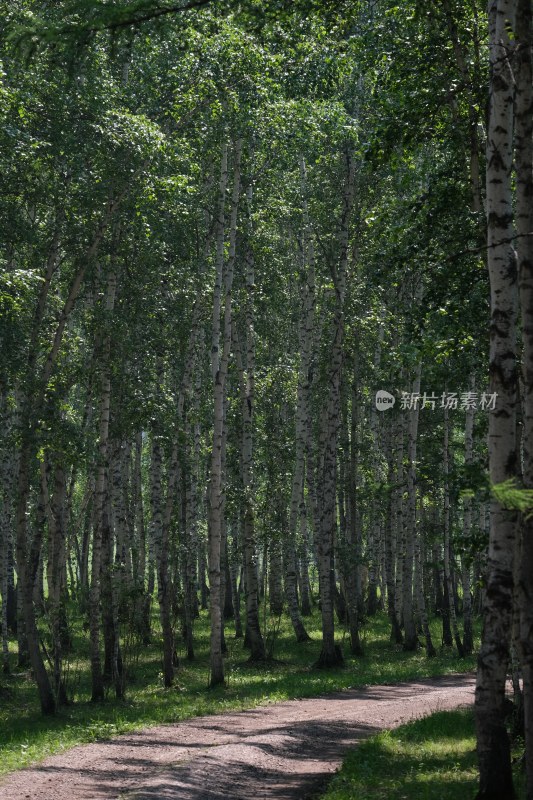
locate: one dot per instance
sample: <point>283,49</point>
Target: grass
<point>433,758</point>
<point>26,736</point>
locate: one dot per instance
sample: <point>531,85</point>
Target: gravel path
<point>284,751</point>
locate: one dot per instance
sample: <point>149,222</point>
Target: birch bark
<point>468,642</point>
<point>302,415</point>
<point>247,393</point>
<point>219,368</point>
<point>391,538</point>
<point>524,248</point>
<point>448,559</point>
<point>97,683</point>
<point>331,654</point>
<point>492,740</point>
<point>410,532</point>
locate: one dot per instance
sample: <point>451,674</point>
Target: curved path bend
<point>284,751</point>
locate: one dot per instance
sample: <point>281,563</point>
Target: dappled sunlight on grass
<point>26,736</point>
<point>431,759</point>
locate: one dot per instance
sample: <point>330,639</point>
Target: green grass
<point>433,758</point>
<point>26,736</point>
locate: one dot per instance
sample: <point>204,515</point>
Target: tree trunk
<point>448,559</point>
<point>468,640</point>
<point>246,374</point>
<point>419,595</point>
<point>331,654</point>
<point>219,368</point>
<point>302,563</point>
<point>399,528</point>
<point>352,556</point>
<point>56,566</point>
<point>524,249</point>
<point>374,533</point>
<point>165,589</point>
<point>275,578</point>
<point>97,683</point>
<point>391,536</point>
<point>492,741</point>
<point>411,638</point>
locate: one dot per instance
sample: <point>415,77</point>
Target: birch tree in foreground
<point>492,740</point>
<point>524,248</point>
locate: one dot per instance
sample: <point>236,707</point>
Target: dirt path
<point>283,751</point>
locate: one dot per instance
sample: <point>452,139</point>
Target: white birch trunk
<point>374,536</point>
<point>254,636</point>
<point>468,642</point>
<point>419,592</point>
<point>219,368</point>
<point>492,740</point>
<point>399,528</point>
<point>410,532</point>
<point>331,654</point>
<point>391,535</point>
<point>448,555</point>
<point>302,415</point>
<point>524,248</point>
<point>97,690</point>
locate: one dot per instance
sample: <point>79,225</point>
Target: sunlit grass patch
<point>430,759</point>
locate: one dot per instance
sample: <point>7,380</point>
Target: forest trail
<point>283,751</point>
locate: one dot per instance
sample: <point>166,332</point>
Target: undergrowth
<point>26,736</point>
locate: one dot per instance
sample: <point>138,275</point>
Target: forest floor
<point>283,751</point>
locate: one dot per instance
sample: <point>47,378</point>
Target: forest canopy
<point>265,320</point>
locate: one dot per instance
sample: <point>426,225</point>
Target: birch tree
<point>493,745</point>
<point>219,369</point>
<point>523,73</point>
<point>330,654</point>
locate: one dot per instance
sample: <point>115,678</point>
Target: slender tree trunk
<point>56,565</point>
<point>492,741</point>
<point>352,558</point>
<point>448,560</point>
<point>121,576</point>
<point>254,636</point>
<point>191,540</point>
<point>302,555</point>
<point>275,578</point>
<point>390,540</point>
<point>411,638</point>
<point>331,654</point>
<point>234,561</point>
<point>399,529</point>
<point>219,367</point>
<point>140,550</point>
<point>97,692</point>
<point>524,249</point>
<point>468,640</point>
<point>165,588</point>
<point>302,413</point>
<point>8,469</point>
<point>374,533</point>
<point>291,594</point>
